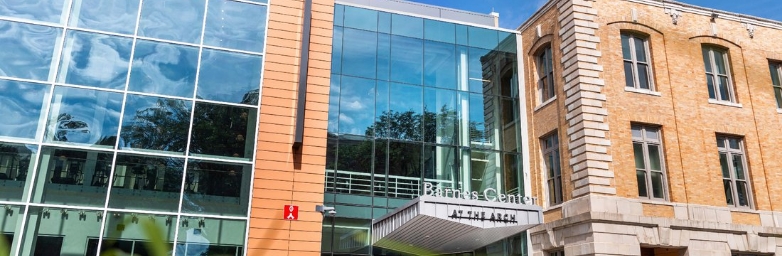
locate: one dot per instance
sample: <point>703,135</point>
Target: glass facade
<point>128,120</point>
<point>415,100</point>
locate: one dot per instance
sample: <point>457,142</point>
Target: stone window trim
<point>647,145</point>
<point>716,57</point>
<point>775,68</point>
<point>731,177</point>
<point>637,63</point>
<point>544,66</point>
<point>552,168</point>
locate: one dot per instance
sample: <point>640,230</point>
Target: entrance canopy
<point>440,225</point>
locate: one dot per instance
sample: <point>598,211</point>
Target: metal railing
<point>347,182</point>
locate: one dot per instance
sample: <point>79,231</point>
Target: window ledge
<point>555,207</point>
<point>725,103</point>
<point>742,209</point>
<point>779,110</point>
<point>545,103</point>
<point>643,91</point>
<point>644,200</point>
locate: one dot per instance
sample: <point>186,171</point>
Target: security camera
<point>326,210</point>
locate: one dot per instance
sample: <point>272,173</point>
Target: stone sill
<point>642,91</point>
<point>725,103</point>
<point>779,110</point>
<point>549,101</point>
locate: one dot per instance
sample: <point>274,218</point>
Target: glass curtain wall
<point>125,120</point>
<point>415,100</point>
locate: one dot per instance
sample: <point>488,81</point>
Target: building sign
<point>290,212</point>
<point>489,194</point>
<point>483,216</point>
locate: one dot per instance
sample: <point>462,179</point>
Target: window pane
<point>158,180</point>
<point>640,177</point>
<point>336,50</point>
<point>441,166</point>
<point>439,31</point>
<point>95,60</point>
<point>382,110</point>
<point>728,187</point>
<point>354,165</point>
<point>72,177</point>
<point>461,34</point>
<point>629,78</point>
<point>657,185</point>
<point>721,142</point>
<point>405,117</point>
<point>483,38</point>
<point>185,26</point>
<point>484,170</point>
<point>778,93</point>
<point>719,60</point>
<point>383,57</point>
<point>626,51</point>
<point>706,59</point>
<point>39,10</point>
<point>360,60</point>
<point>384,22</point>
<point>404,169</point>
<point>21,107</point>
<point>724,165</point>
<point>155,124</point>
<point>441,116</point>
<point>27,50</point>
<point>637,132</point>
<point>552,196</point>
<point>710,84</point>
<point>407,62</point>
<point>83,116</point>
<point>655,162</point>
<point>640,49</point>
<point>334,93</point>
<point>360,18</point>
<point>216,188</point>
<point>774,68</point>
<point>126,232</point>
<point>738,166</point>
<point>476,77</point>
<point>163,68</point>
<point>742,193</point>
<point>111,16</point>
<point>207,236</point>
<point>356,106</point>
<point>440,68</point>
<point>407,26</point>
<point>52,231</point>
<point>643,76</point>
<point>381,172</point>
<point>638,151</point>
<point>229,77</point>
<point>15,164</point>
<point>652,134</point>
<point>227,25</point>
<point>724,90</point>
<point>225,131</point>
<point>734,143</point>
<point>9,230</point>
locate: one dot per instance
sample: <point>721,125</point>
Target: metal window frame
<point>712,50</point>
<point>645,142</point>
<point>731,153</point>
<point>634,61</point>
<point>545,150</point>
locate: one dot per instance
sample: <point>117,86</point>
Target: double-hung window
<point>545,74</point>
<point>776,81</point>
<point>718,80</point>
<point>649,168</point>
<point>550,147</point>
<point>635,52</point>
<point>735,180</point>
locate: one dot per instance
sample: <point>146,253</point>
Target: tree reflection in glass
<point>153,123</point>
<point>157,179</point>
<point>221,130</point>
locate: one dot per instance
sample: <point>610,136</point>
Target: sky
<point>514,12</point>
